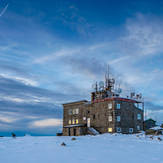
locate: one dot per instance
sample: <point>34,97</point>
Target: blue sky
<point>52,51</point>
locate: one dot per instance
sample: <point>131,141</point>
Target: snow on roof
<point>157,128</point>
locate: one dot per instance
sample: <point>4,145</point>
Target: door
<point>88,122</point>
<point>69,132</point>
<point>74,131</point>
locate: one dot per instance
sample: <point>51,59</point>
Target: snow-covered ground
<point>86,149</point>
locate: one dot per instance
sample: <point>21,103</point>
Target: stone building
<point>149,123</point>
<point>106,112</point>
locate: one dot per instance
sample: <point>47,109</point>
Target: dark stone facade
<point>107,115</point>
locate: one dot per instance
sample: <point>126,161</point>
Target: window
<point>139,116</point>
<point>110,129</point>
<point>109,105</point>
<point>74,111</point>
<point>118,129</point>
<point>138,105</point>
<point>70,111</point>
<point>77,121</point>
<point>138,127</point>
<point>118,118</point>
<point>84,118</point>
<point>77,111</point>
<point>73,121</point>
<point>130,130</point>
<point>110,118</point>
<point>94,116</point>
<point>69,122</point>
<point>118,106</point>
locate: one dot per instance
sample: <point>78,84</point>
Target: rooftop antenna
<point>107,77</point>
<point>96,88</point>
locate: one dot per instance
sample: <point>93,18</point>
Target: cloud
<point>7,119</point>
<point>46,123</point>
<point>25,81</point>
<point>21,103</point>
<point>143,36</point>
<point>56,55</point>
<point>70,16</point>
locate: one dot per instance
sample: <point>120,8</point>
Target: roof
<point>150,120</point>
<point>157,128</point>
<point>76,102</point>
<point>116,98</point>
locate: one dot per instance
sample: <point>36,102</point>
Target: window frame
<point>118,130</point>
<point>118,118</point>
<point>70,111</point>
<point>84,118</point>
<point>110,129</point>
<point>130,130</point>
<point>110,118</point>
<point>74,111</point>
<point>138,127</point>
<point>118,106</point>
<point>139,116</point>
<point>73,121</point>
<point>69,122</point>
<point>110,105</point>
<point>77,110</point>
<point>77,121</point>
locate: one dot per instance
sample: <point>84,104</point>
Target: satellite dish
<point>101,85</point>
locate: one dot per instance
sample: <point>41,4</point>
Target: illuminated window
<point>118,118</point>
<point>70,111</point>
<point>110,118</point>
<point>130,130</point>
<point>77,121</point>
<point>118,129</point>
<point>109,105</point>
<point>139,116</point>
<point>73,121</point>
<point>118,106</point>
<point>69,122</point>
<point>138,127</point>
<point>110,129</point>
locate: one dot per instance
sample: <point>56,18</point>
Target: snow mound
<point>106,148</point>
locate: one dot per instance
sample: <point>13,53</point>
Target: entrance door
<point>69,132</point>
<point>74,131</point>
<point>88,122</point>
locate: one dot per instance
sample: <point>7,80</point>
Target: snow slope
<point>104,148</point>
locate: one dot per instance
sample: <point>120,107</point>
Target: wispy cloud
<point>26,81</point>
<point>144,36</point>
<point>46,123</point>
<point>56,55</point>
<point>4,10</point>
